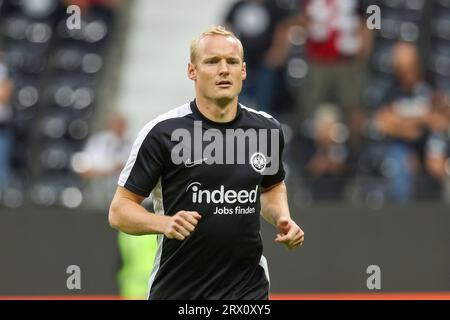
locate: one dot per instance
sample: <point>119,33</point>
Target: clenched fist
<point>180,225</point>
<point>290,233</point>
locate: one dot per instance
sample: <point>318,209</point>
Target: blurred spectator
<point>437,150</point>
<point>105,154</point>
<point>405,119</point>
<point>326,167</point>
<point>258,23</point>
<point>337,49</point>
<point>329,136</point>
<point>6,88</point>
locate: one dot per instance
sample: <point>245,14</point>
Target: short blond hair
<point>213,31</point>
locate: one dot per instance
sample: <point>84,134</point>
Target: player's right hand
<point>180,225</point>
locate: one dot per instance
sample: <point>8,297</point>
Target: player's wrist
<point>161,223</point>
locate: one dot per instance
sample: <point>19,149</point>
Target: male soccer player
<point>212,166</point>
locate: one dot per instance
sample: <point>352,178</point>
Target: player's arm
<point>274,204</point>
<point>275,210</point>
<point>128,215</point>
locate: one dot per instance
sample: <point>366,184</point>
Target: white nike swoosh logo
<point>188,163</point>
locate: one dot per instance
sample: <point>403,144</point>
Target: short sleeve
<point>270,180</point>
<point>145,163</point>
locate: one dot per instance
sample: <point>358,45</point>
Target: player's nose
<point>223,68</point>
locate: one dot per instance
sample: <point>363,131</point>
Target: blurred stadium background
<point>366,118</point>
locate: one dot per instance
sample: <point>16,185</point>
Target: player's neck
<point>217,111</point>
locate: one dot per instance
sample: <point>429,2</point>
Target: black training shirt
<point>222,258</point>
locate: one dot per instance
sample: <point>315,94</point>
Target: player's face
<point>219,70</point>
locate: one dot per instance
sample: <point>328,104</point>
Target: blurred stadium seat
<point>56,74</point>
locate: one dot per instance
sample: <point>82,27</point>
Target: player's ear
<point>192,72</point>
<point>244,71</point>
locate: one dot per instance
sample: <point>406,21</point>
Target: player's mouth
<point>224,84</point>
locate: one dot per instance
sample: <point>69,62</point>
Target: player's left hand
<point>290,233</point>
